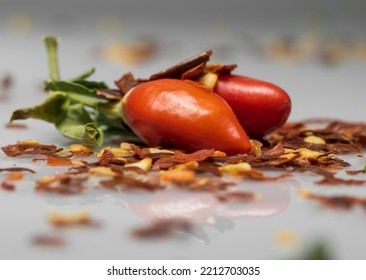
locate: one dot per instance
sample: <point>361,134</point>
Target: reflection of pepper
<point>184,115</point>
<point>260,106</point>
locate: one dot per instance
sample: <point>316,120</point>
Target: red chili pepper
<point>185,116</point>
<point>261,107</point>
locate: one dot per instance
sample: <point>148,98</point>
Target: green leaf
<point>84,75</point>
<point>70,87</point>
<point>51,110</point>
<point>51,43</point>
<point>78,125</point>
<point>91,84</point>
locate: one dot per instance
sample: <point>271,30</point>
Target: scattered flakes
<point>163,228</point>
<point>81,150</point>
<point>71,219</point>
<point>17,169</point>
<point>144,164</point>
<point>110,94</point>
<point>63,183</point>
<point>314,140</point>
<point>5,185</point>
<point>178,175</point>
<point>329,178</point>
<point>102,170</point>
<point>179,157</point>
<point>344,202</point>
<point>178,70</point>
<point>58,161</point>
<point>29,148</point>
<point>236,169</point>
<point>126,82</point>
<point>15,176</point>
<point>356,172</point>
<point>48,240</point>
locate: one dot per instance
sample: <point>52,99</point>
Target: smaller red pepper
<point>184,115</point>
<point>260,106</point>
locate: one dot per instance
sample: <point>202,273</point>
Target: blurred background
<point>316,50</point>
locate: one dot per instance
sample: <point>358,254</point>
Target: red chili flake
<point>57,161</point>
<point>221,69</point>
<point>329,178</point>
<point>5,185</point>
<point>179,157</point>
<point>109,94</point>
<point>356,172</point>
<point>17,169</point>
<point>126,82</point>
<point>48,241</point>
<point>255,174</point>
<point>345,202</point>
<point>176,71</point>
<point>194,73</point>
<point>64,183</point>
<point>16,126</point>
<point>29,149</point>
<point>164,228</point>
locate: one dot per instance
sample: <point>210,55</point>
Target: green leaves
<point>74,106</point>
<point>52,110</point>
<point>78,125</point>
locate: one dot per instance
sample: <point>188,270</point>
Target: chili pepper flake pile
<point>295,148</point>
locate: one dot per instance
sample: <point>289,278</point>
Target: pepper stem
<point>51,43</point>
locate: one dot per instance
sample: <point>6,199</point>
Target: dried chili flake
<point>220,69</point>
<point>25,148</point>
<point>163,228</point>
<point>126,82</point>
<point>72,219</point>
<point>329,178</point>
<point>179,157</point>
<point>345,202</point>
<point>81,150</point>
<point>58,161</point>
<point>17,169</point>
<point>194,73</point>
<point>48,241</point>
<point>109,94</point>
<point>16,176</point>
<point>176,71</point>
<point>5,185</point>
<point>178,175</point>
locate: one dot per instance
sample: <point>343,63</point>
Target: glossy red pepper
<point>184,115</point>
<point>261,107</point>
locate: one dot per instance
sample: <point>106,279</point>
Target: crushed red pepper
<point>296,147</point>
<point>5,185</point>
